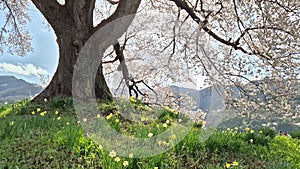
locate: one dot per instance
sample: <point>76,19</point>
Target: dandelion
<point>112,154</point>
<point>33,113</point>
<point>130,155</point>
<point>84,120</point>
<point>251,140</point>
<point>150,134</point>
<point>125,163</point>
<point>11,123</point>
<point>109,116</point>
<point>247,129</point>
<point>117,120</point>
<point>251,131</point>
<point>227,165</point>
<point>165,125</point>
<point>98,116</point>
<point>117,159</point>
<point>235,163</point>
<point>56,112</point>
<point>58,118</point>
<point>38,109</point>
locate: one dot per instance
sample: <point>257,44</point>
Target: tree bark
<point>73,26</point>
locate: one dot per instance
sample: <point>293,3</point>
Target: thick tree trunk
<point>72,34</point>
<point>73,26</point>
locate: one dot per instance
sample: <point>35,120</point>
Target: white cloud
<point>23,69</point>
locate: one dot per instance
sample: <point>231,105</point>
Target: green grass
<point>51,137</point>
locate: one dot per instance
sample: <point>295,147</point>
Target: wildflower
<point>167,121</point>
<point>117,159</point>
<point>227,165</point>
<point>98,116</point>
<point>117,120</point>
<point>235,163</point>
<point>150,134</point>
<point>38,109</point>
<point>247,129</point>
<point>58,118</point>
<point>68,123</point>
<point>109,116</point>
<point>165,125</point>
<point>260,132</point>
<point>125,163</point>
<point>251,131</point>
<point>56,112</point>
<point>130,155</point>
<point>251,140</point>
<point>131,98</point>
<point>84,120</point>
<point>33,113</point>
<point>112,154</point>
<point>11,123</point>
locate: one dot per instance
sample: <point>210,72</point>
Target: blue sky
<point>43,60</point>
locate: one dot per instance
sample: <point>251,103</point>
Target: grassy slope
<point>51,140</point>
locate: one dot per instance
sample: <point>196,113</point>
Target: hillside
<point>13,89</point>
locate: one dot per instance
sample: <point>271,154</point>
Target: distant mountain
<point>13,89</point>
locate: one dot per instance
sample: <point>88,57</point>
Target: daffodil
<point>251,140</point>
<point>33,113</point>
<point>125,163</point>
<point>167,121</point>
<point>67,123</point>
<point>155,167</point>
<point>235,163</point>
<point>42,114</point>
<point>117,159</point>
<point>109,116</point>
<point>130,155</point>
<point>228,129</point>
<point>165,125</point>
<point>11,123</point>
<point>58,118</point>
<point>84,120</point>
<point>117,120</point>
<point>227,165</point>
<point>56,112</point>
<point>247,129</point>
<point>150,134</point>
<point>236,128</point>
<point>38,109</point>
<point>251,131</point>
<point>260,132</point>
<point>112,154</point>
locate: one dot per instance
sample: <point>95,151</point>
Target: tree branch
<point>125,8</point>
